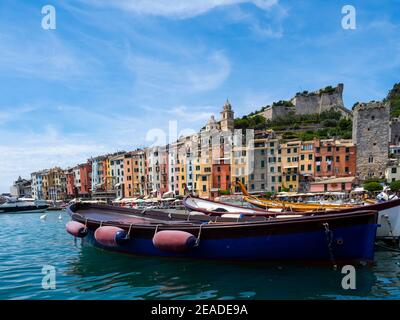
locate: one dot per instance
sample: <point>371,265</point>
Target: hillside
<point>327,124</point>
<point>394,98</point>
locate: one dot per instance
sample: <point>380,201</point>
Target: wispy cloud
<point>198,72</point>
<point>180,9</point>
<point>191,114</point>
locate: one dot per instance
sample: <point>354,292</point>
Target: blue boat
<point>333,237</point>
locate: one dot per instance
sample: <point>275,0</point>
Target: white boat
<point>20,206</point>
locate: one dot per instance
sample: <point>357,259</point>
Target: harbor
<point>220,151</point>
<point>85,272</point>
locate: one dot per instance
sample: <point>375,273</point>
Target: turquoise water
<point>83,272</point>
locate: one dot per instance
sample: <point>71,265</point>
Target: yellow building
<point>290,165</point>
<point>306,165</point>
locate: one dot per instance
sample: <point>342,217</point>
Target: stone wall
<point>311,103</point>
<point>371,136</point>
<point>319,101</point>
<point>276,111</point>
<point>395,131</point>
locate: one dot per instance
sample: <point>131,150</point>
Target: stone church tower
<point>371,134</point>
<point>227,117</point>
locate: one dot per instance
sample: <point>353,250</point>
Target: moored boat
<point>18,206</point>
<point>342,237</point>
<point>388,213</point>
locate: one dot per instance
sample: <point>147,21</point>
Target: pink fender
<point>109,236</point>
<point>76,229</point>
<point>174,241</point>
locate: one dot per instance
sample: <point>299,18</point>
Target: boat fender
<point>174,241</point>
<point>110,236</point>
<point>76,229</point>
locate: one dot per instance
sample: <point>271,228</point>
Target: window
<point>329,149</point>
<point>309,167</point>
<point>262,186</point>
<point>252,187</point>
<point>310,156</point>
<point>318,149</point>
<point>273,178</point>
<point>394,170</point>
<point>302,157</point>
<point>318,168</point>
<point>262,163</point>
<point>346,169</point>
<point>262,176</point>
<point>347,149</point>
<point>272,169</point>
<point>347,158</point>
<point>203,178</point>
<point>302,167</point>
<point>337,159</point>
<point>370,159</point>
<point>204,188</point>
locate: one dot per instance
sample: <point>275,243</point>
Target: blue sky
<point>113,70</point>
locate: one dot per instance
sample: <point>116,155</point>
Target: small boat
<point>216,208</point>
<point>388,213</point>
<point>325,238</point>
<point>19,206</point>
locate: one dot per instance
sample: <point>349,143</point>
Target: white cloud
<point>191,114</point>
<point>199,72</point>
<point>180,9</point>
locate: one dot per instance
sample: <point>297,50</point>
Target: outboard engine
<point>174,241</point>
<point>110,236</point>
<point>76,229</point>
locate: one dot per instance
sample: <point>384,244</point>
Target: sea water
<point>34,251</point>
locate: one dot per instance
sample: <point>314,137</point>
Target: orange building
<point>334,158</point>
<point>85,171</point>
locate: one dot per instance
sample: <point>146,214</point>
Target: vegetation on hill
<point>327,124</point>
<point>394,98</point>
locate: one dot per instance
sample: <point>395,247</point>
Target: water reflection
<point>155,278</point>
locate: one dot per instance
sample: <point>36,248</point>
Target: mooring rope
<point>329,238</point>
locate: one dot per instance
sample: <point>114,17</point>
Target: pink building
<point>343,184</point>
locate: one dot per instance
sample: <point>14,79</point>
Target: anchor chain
<point>329,238</point>
<point>198,236</point>
<point>390,227</point>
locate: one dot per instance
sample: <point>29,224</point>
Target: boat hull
<point>302,247</point>
<point>27,209</point>
<point>341,237</point>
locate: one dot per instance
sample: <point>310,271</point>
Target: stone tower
<point>227,117</point>
<point>371,135</point>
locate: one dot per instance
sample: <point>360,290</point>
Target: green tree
<point>395,186</point>
<point>373,186</point>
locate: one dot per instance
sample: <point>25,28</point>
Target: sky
<point>114,74</point>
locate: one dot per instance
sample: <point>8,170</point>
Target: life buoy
<point>110,236</point>
<point>76,229</point>
<point>174,241</point>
